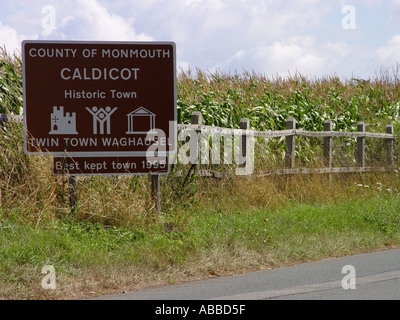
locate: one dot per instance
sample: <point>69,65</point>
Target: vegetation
<point>114,240</point>
<point>224,99</point>
<point>10,83</point>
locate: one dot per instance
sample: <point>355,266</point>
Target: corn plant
<point>10,83</point>
<point>224,99</point>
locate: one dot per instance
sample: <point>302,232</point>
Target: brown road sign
<point>110,165</point>
<point>99,98</point>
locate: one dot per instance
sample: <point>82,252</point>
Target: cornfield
<point>10,83</point>
<point>224,99</point>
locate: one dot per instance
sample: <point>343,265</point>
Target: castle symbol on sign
<point>62,124</point>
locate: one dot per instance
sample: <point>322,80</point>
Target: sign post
<point>106,106</point>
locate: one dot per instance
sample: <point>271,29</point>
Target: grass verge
<point>114,241</point>
<point>91,258</point>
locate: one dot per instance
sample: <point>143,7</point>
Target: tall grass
<point>10,83</point>
<point>233,226</point>
<point>208,226</point>
<point>223,99</point>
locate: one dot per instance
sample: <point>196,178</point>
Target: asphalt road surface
<point>372,276</point>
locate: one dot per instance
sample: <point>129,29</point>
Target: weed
<point>213,226</point>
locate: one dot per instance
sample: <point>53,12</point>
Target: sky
<point>314,38</point>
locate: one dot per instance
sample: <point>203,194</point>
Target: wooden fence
<point>291,132</point>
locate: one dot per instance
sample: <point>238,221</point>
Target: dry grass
<point>216,230</point>
<point>114,240</point>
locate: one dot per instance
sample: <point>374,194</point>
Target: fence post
<point>328,144</point>
<point>72,191</point>
<point>389,146</point>
<point>196,118</point>
<point>244,124</point>
<point>290,143</point>
<point>361,146</point>
<point>155,191</point>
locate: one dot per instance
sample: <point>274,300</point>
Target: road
<point>377,277</point>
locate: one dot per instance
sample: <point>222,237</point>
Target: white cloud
<point>183,66</point>
<point>74,20</point>
<point>283,57</point>
<point>266,36</point>
<point>390,54</point>
<point>10,39</point>
<point>231,34</point>
<point>89,20</point>
<point>295,55</point>
<point>191,2</point>
<point>340,48</point>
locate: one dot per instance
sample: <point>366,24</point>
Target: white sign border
<point>99,153</point>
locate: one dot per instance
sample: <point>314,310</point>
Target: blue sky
<point>271,37</point>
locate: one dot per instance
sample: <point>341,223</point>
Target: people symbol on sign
<point>101,118</point>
